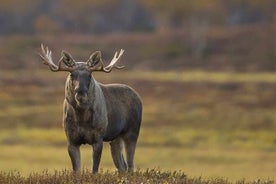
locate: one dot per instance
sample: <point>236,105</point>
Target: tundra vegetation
<point>208,95</point>
<point>232,145</point>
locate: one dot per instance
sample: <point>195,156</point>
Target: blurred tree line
<point>93,16</point>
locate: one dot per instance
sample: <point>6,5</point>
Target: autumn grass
<point>148,176</point>
<point>202,76</point>
<point>65,176</point>
<point>210,154</point>
<point>207,125</point>
<point>191,97</point>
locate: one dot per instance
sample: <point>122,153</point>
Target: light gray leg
<point>97,153</point>
<point>74,153</point>
<point>117,155</point>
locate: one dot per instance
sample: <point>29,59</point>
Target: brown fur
<point>110,113</point>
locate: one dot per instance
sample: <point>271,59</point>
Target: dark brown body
<point>124,111</point>
<point>113,115</point>
<point>94,112</point>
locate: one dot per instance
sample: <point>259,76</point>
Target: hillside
<point>243,48</point>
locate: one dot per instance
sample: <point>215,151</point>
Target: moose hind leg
<point>130,146</point>
<point>117,154</point>
<point>74,153</point>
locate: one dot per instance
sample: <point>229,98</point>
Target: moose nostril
<point>80,91</point>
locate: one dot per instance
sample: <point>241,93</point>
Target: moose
<point>94,113</point>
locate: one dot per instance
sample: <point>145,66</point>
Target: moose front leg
<point>97,153</point>
<point>74,153</point>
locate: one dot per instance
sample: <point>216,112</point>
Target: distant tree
<point>242,12</point>
<point>17,16</point>
<point>86,16</point>
<point>125,15</point>
<point>44,24</point>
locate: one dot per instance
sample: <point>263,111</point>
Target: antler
<point>111,65</point>
<point>46,55</point>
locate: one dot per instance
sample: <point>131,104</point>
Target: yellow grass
<point>35,150</point>
<point>201,76</point>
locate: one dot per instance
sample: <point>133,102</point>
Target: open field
<point>202,100</point>
<point>209,124</point>
<point>210,154</point>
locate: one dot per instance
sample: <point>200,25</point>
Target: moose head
<point>80,72</point>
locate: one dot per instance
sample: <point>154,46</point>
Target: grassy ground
<point>214,125</point>
<point>209,154</point>
<point>148,176</point>
<point>196,99</point>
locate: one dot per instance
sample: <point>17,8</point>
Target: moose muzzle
<point>81,96</point>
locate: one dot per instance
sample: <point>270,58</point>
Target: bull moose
<point>94,113</point>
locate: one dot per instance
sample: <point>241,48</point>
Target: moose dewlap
<point>95,112</point>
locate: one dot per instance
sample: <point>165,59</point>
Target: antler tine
<point>46,56</point>
<point>115,59</point>
<point>112,63</point>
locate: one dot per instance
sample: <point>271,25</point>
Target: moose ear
<point>94,59</point>
<point>67,59</point>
